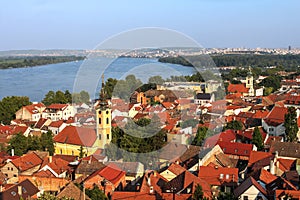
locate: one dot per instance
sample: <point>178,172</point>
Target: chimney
<point>272,167</point>
<point>12,152</point>
<point>138,186</point>
<point>151,190</point>
<point>20,190</point>
<point>50,159</point>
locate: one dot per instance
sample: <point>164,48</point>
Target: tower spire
<point>103,102</point>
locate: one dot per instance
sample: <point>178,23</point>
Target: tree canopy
<point>22,144</point>
<point>290,124</point>
<point>65,97</point>
<point>257,139</point>
<point>10,105</point>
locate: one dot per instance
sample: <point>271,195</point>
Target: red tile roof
<point>57,106</point>
<point>279,194</point>
<point>176,169</point>
<point>237,88</point>
<point>34,108</point>
<point>226,136</point>
<point>276,116</point>
<point>58,165</point>
<point>56,124</point>
<point>218,175</point>
<point>27,161</point>
<point>235,148</point>
<point>111,173</point>
<point>264,176</point>
<point>286,164</point>
<point>77,136</point>
<point>258,155</point>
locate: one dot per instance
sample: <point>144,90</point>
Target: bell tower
<point>249,82</point>
<point>103,118</point>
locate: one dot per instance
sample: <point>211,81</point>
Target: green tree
<point>84,96</point>
<point>109,87</point>
<point>81,152</point>
<point>226,196</point>
<point>47,142</point>
<point>95,193</point>
<point>19,143</point>
<point>60,97</point>
<point>143,122</point>
<point>257,139</point>
<point>200,136</point>
<point>9,106</point>
<point>271,81</point>
<point>235,125</point>
<point>156,80</point>
<point>49,98</point>
<point>198,194</point>
<point>68,96</point>
<point>290,124</point>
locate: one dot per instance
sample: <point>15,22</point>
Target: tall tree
<point>290,124</point>
<point>95,193</point>
<point>9,106</point>
<point>49,98</point>
<point>47,142</point>
<point>198,194</point>
<point>19,144</point>
<point>257,139</point>
<point>235,125</point>
<point>60,97</point>
<point>200,136</point>
<point>68,96</point>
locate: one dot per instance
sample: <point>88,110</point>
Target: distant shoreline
<point>34,61</point>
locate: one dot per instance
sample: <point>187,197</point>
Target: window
<point>245,198</point>
<point>61,151</point>
<point>107,112</point>
<point>221,176</point>
<point>15,175</point>
<point>99,137</point>
<point>107,136</point>
<point>99,112</point>
<point>107,120</point>
<point>99,120</point>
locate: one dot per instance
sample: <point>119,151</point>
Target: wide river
<point>35,82</point>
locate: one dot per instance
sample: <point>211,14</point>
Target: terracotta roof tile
<point>27,161</point>
<point>218,175</point>
<point>77,136</point>
<point>257,155</point>
<point>234,148</point>
<point>111,173</point>
<point>237,88</point>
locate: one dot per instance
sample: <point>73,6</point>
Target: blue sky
<point>78,24</point>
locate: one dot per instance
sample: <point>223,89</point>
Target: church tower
<point>103,118</point>
<point>249,83</point>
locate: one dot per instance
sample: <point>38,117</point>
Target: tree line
<point>66,97</point>
<point>239,60</point>
<point>19,62</point>
<point>22,144</point>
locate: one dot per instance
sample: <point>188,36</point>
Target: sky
<point>79,24</point>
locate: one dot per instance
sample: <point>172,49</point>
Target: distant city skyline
<point>53,24</point>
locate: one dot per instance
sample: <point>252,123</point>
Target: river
<point>35,82</point>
